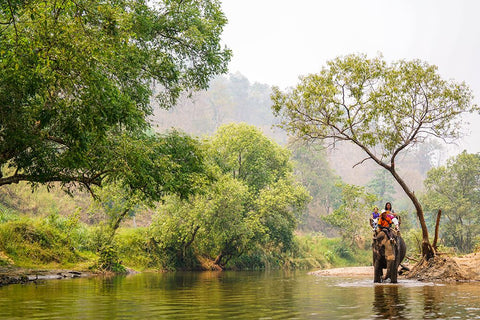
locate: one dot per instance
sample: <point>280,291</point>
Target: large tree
<point>382,108</point>
<point>77,76</point>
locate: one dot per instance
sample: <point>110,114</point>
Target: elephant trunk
<point>390,258</point>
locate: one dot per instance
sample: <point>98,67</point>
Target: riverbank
<point>345,272</point>
<point>441,268</point>
<point>13,275</point>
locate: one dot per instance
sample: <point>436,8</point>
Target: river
<point>237,295</point>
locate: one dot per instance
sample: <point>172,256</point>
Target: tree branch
<point>358,163</point>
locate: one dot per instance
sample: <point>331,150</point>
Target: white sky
<point>275,41</point>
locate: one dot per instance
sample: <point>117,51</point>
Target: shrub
<point>109,261</point>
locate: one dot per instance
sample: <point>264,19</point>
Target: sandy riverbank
<point>345,272</point>
<point>442,268</point>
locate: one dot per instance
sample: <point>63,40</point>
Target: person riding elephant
<point>387,254</point>
<point>391,213</point>
<point>385,222</point>
<point>374,218</point>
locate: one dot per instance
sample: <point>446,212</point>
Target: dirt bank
<point>445,268</point>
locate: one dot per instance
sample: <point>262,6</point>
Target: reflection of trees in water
<point>388,302</point>
<point>432,298</point>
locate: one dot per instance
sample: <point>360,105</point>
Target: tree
<point>76,78</point>
<point>351,215</point>
<point>279,207</point>
<point>245,153</point>
<point>455,189</point>
<point>229,227</point>
<point>382,108</point>
<point>148,170</point>
<point>253,203</point>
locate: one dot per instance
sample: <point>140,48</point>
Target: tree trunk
<point>116,224</point>
<point>218,259</point>
<point>437,224</point>
<point>427,250</point>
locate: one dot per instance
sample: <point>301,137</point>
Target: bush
<point>7,214</point>
<point>132,248</point>
<point>109,261</point>
<point>32,242</point>
<point>317,251</point>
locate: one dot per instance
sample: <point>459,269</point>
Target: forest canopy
<point>76,81</point>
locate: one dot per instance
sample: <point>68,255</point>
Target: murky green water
<point>237,295</point>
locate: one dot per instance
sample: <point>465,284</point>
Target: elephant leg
<point>378,271</point>
<point>394,273</point>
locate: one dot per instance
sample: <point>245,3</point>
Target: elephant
<point>387,254</point>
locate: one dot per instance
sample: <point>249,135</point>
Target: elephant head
<point>387,254</point>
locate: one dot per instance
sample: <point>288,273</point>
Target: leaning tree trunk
<point>427,250</point>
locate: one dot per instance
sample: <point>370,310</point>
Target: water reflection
<point>432,304</point>
<point>389,302</point>
<point>237,295</point>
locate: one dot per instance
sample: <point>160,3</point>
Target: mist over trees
<point>229,99</point>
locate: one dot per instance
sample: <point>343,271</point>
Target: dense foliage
<point>76,81</point>
<point>253,206</point>
<point>313,171</point>
<point>243,213</point>
<point>352,216</point>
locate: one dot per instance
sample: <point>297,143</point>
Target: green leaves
<point>77,76</point>
<point>243,152</point>
<point>351,217</point>
<point>253,204</point>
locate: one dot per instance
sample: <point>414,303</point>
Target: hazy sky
<point>275,41</point>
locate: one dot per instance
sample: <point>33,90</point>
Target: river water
<point>237,295</point>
